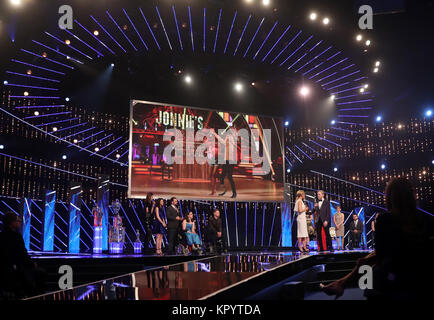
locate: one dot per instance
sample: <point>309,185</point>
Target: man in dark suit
<point>173,220</point>
<point>323,219</point>
<point>356,230</point>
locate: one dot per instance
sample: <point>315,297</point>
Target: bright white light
<point>335,169</point>
<point>333,122</point>
<point>5,82</point>
<point>36,113</point>
<point>67,99</point>
<point>265,2</point>
<point>359,37</point>
<point>96,149</point>
<point>118,156</point>
<point>326,21</point>
<point>362,90</point>
<point>238,87</point>
<point>2,147</point>
<point>15,2</point>
<point>304,91</point>
<point>187,79</point>
<point>383,166</point>
<point>366,86</point>
<point>112,65</point>
<point>376,70</point>
<point>288,170</point>
<point>379,119</point>
<point>253,84</point>
<point>64,157</point>
<point>96,32</point>
<point>54,129</point>
<point>332,97</point>
<point>26,93</point>
<point>286,123</point>
<point>431,161</point>
<point>75,141</point>
<point>313,16</point>
<point>368,42</point>
<point>428,113</point>
<point>377,64</point>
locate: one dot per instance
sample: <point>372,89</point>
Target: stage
<point>236,275</point>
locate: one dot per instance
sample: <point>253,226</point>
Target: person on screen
<point>227,167</point>
<point>159,226</point>
<point>173,220</point>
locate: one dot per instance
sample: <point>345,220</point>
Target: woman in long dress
<point>301,209</point>
<point>339,220</point>
<point>189,226</point>
<point>160,225</point>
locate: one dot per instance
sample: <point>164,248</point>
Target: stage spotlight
<point>326,21</point>
<point>432,162</point>
<point>67,99</point>
<point>96,32</point>
<point>335,169</point>
<point>96,149</point>
<point>15,3</point>
<point>376,70</point>
<point>5,82</point>
<point>383,166</point>
<point>54,129</point>
<point>304,91</point>
<point>44,54</point>
<point>288,170</point>
<point>253,84</point>
<point>29,72</point>
<point>118,156</point>
<point>112,65</point>
<point>379,119</point>
<point>26,93</point>
<point>64,157</point>
<point>377,64</point>
<point>428,113</point>
<point>368,43</point>
<point>188,79</point>
<point>366,86</point>
<point>36,113</point>
<point>286,123</point>
<point>75,141</point>
<point>266,2</point>
<point>362,90</point>
<point>400,126</point>
<point>359,37</point>
<point>333,122</point>
<point>332,97</point>
<point>68,42</point>
<point>313,16</point>
<point>238,87</point>
<point>2,146</point>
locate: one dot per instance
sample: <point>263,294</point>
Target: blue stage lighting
<point>379,119</point>
<point>428,113</point>
<point>286,123</point>
<point>383,166</point>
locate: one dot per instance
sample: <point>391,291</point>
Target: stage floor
<point>203,278</point>
<point>198,189</point>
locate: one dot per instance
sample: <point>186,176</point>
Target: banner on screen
<point>200,154</point>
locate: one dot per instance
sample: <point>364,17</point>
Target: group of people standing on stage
<point>322,220</point>
<point>160,221</point>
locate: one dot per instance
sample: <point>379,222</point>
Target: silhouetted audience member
<point>19,275</point>
<point>399,260</point>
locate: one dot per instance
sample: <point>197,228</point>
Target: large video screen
<point>199,154</point>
